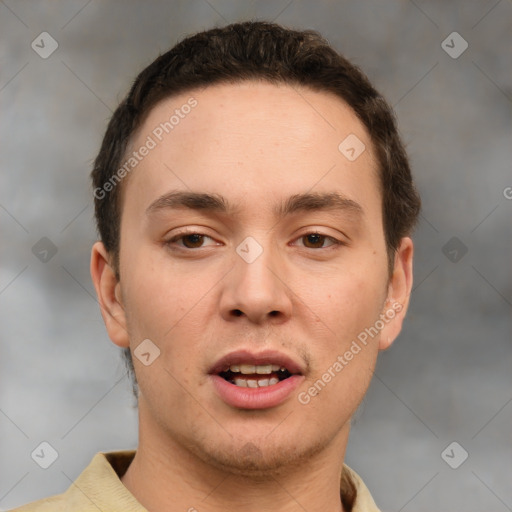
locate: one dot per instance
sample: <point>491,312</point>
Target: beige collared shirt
<point>99,488</point>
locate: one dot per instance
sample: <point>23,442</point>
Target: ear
<point>108,290</point>
<point>399,292</point>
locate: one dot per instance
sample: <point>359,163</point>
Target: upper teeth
<point>262,369</point>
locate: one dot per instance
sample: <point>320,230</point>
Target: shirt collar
<point>109,467</point>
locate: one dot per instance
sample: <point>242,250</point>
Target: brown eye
<point>314,240</point>
<point>184,241</point>
<point>193,241</point>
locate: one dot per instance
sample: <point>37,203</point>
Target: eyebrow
<point>318,201</point>
<point>215,203</point>
<point>192,200</point>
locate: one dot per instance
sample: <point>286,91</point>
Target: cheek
<point>347,302</point>
<point>166,310</point>
<point>171,320</point>
<point>343,358</point>
<point>173,307</point>
<point>159,294</point>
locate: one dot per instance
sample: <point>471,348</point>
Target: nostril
<point>238,312</point>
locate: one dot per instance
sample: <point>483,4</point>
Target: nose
<point>257,291</point>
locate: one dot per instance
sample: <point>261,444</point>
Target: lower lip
<point>256,398</point>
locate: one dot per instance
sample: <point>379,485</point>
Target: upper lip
<point>257,358</point>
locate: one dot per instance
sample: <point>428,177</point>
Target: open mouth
<point>255,376</point>
<point>245,379</point>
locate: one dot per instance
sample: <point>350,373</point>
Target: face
<point>253,258</point>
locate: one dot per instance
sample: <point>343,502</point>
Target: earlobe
<point>109,295</point>
<point>399,291</point>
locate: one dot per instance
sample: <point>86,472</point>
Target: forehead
<point>252,135</point>
<point>302,113</point>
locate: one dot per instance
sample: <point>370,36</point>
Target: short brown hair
<point>258,51</point>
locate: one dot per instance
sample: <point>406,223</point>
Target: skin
<point>256,144</point>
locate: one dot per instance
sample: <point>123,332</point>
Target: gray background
<point>447,378</point>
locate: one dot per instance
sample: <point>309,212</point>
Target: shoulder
<point>54,504</point>
<point>97,488</point>
<point>354,494</point>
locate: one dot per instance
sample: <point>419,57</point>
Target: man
<point>254,203</point>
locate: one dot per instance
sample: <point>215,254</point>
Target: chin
<point>257,459</point>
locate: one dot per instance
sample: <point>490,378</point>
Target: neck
<point>165,475</point>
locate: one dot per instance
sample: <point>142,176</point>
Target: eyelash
<point>334,241</point>
<point>181,236</point>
